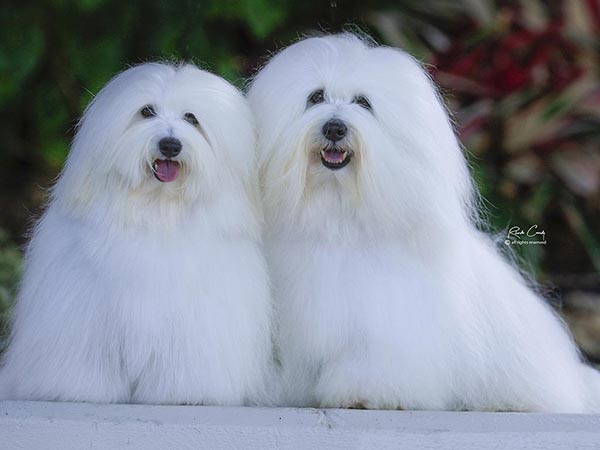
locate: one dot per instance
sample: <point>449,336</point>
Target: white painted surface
<point>66,426</point>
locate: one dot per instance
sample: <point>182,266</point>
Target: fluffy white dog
<point>388,296</point>
<point>144,279</point>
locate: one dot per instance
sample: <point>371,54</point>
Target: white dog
<point>144,279</point>
<point>388,296</point>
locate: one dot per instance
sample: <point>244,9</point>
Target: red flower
<point>513,60</point>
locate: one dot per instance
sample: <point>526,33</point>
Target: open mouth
<point>335,158</point>
<point>165,170</point>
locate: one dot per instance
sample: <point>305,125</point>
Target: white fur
<point>142,291</point>
<point>388,296</point>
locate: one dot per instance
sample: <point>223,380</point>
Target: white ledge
<point>65,426</point>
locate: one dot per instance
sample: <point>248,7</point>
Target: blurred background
<point>522,78</point>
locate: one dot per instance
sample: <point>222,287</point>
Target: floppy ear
<point>422,127</point>
<point>231,129</point>
<point>105,119</point>
<point>77,183</point>
<point>252,178</point>
<point>252,188</point>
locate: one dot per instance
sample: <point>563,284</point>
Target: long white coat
<point>387,294</point>
<point>141,291</point>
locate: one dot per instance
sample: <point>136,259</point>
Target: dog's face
<point>165,133</point>
<point>347,129</point>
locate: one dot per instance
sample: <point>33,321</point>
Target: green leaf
<point>20,51</point>
<point>262,16</point>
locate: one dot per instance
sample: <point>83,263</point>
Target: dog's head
<point>161,134</point>
<point>354,131</point>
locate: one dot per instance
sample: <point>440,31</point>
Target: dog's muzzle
<point>333,156</point>
<point>167,170</point>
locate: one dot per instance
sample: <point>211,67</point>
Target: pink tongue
<point>334,156</point>
<point>166,170</point>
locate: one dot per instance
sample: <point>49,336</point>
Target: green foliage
<point>10,271</point>
<point>262,16</point>
<point>18,62</point>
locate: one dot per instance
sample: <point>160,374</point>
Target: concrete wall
<point>66,426</point>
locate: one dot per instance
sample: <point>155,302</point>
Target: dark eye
<point>364,102</point>
<point>148,111</point>
<point>189,117</point>
<point>316,97</point>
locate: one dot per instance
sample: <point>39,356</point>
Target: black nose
<point>169,146</point>
<point>334,130</point>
